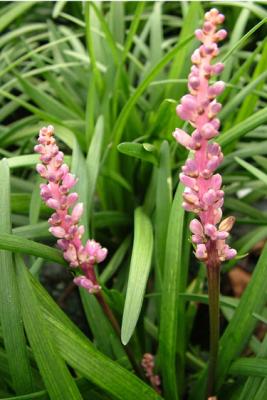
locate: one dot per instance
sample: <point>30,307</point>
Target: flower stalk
<point>203,192</point>
<point>213,273</point>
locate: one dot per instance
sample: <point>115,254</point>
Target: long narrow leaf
<point>138,275</point>
<point>10,312</point>
<point>57,378</point>
<point>169,303</point>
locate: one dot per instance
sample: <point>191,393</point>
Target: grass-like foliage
<point>108,76</point>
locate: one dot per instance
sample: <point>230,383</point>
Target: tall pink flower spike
<point>64,224</point>
<point>203,194</point>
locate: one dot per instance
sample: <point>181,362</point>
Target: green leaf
<point>36,231</point>
<point>138,275</point>
<point>19,244</point>
<point>255,384</point>
<point>14,12</point>
<point>80,353</point>
<point>261,161</point>
<point>10,312</point>
<point>108,35</point>
<point>244,39</point>
<point>179,67</point>
<point>170,321</point>
<point>249,367</point>
<point>115,261</point>
<point>121,121</point>
<point>36,203</point>
<point>78,168</point>
<point>253,170</point>
<point>93,161</point>
<point>248,106</point>
<point>46,102</point>
<point>90,45</point>
<point>139,150</point>
<point>163,205</point>
<point>239,130</point>
<point>57,378</point>
<point>58,7</point>
<point>133,28</point>
<point>232,104</point>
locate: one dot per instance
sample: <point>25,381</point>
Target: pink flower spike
<point>64,225</point>
<point>203,194</point>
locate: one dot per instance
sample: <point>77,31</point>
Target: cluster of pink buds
<point>148,364</point>
<point>203,194</point>
<point>64,224</point>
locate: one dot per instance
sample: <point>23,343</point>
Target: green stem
<point>109,313</point>
<point>213,273</point>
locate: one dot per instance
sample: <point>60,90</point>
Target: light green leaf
<point>18,244</point>
<point>253,170</point>
<point>170,321</point>
<point>138,275</point>
<point>138,150</point>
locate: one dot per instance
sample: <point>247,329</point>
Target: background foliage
<point>108,76</point>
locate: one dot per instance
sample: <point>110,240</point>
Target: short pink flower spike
<point>203,194</point>
<point>64,224</point>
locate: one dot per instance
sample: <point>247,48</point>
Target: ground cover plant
<point>108,77</point>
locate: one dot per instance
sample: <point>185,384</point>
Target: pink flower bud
<point>191,198</point>
<point>101,254</point>
<point>69,180</point>
<point>57,231</point>
<point>41,169</point>
<point>217,68</point>
<point>201,252</point>
<point>213,163</point>
<point>71,199</point>
<point>52,203</point>
<point>199,34</point>
<point>216,89</point>
<point>86,284</point>
<point>70,255</point>
<point>194,82</point>
<point>207,27</point>
<point>222,235</point>
<point>190,168</point>
<point>183,138</point>
<point>216,181</point>
<point>230,253</point>
<point>221,34</point>
<point>77,212</point>
<point>210,197</point>
<point>216,123</point>
<point>208,131</point>
<point>196,57</point>
<point>196,227</point>
<point>189,182</point>
<point>211,231</point>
